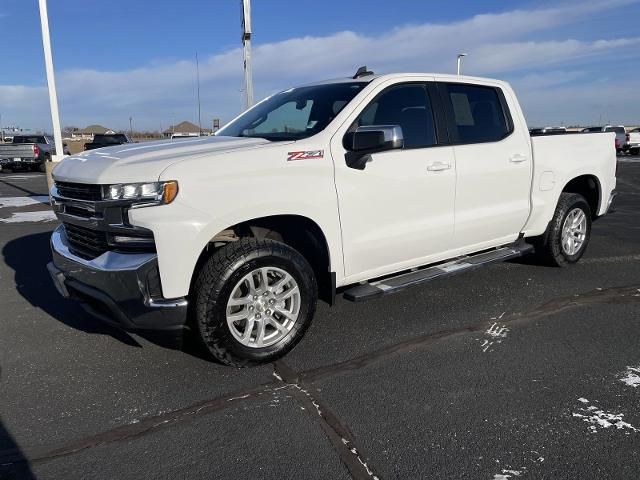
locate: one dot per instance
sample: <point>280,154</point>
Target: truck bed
<point>561,158</point>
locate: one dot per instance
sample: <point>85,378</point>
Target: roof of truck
<point>370,78</point>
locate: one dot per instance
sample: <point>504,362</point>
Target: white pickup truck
<point>363,186</point>
<point>632,142</point>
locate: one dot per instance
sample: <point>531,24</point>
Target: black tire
<point>634,151</point>
<point>215,282</point>
<point>43,166</point>
<point>549,247</point>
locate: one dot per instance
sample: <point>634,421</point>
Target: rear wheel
<point>568,233</point>
<point>43,166</point>
<point>634,151</point>
<point>253,301</point>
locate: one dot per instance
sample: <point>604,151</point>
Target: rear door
<point>493,165</point>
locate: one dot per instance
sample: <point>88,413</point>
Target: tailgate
<point>17,151</point>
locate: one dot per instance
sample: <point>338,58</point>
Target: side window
<point>477,113</point>
<point>407,106</point>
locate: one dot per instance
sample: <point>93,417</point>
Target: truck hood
<point>143,162</point>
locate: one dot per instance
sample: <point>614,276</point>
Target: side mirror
<point>371,139</point>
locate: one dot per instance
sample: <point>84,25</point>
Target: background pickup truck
<point>632,143</point>
<point>362,186</point>
<point>106,140</point>
<point>619,130</point>
<point>28,151</point>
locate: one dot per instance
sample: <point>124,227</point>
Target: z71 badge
<point>305,155</point>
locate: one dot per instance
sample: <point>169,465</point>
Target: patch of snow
<point>22,217</point>
<point>497,331</point>
<point>631,377</point>
<point>506,474</point>
<point>495,334</point>
<point>601,419</point>
<point>6,202</point>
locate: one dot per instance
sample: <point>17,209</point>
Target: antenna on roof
<point>363,72</point>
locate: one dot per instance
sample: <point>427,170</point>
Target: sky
<point>570,62</point>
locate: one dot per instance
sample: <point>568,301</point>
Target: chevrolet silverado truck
<point>28,151</point>
<point>362,186</point>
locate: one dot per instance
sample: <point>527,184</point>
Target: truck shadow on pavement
<point>13,463</point>
<point>28,257</point>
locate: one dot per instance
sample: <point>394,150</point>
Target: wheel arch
<point>298,231</point>
<point>590,188</point>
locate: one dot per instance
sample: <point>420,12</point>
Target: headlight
<point>152,193</point>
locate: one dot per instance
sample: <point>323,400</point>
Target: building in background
<point>185,129</point>
<point>87,133</point>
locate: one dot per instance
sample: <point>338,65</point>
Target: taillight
<point>628,137</point>
<point>617,143</point>
<point>36,151</point>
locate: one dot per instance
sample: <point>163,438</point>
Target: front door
<point>399,210</point>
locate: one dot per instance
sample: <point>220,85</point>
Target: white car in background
<point>632,142</point>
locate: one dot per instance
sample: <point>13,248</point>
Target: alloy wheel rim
<point>263,307</point>
<point>574,231</point>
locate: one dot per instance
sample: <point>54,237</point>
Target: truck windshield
<point>294,114</point>
<point>29,139</point>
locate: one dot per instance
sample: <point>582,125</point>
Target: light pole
<point>51,82</point>
<point>198,80</point>
<point>246,51</point>
<point>131,128</point>
<point>460,55</point>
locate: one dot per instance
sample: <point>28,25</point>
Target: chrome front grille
<point>80,191</point>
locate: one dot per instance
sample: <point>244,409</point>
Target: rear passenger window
<point>478,115</point>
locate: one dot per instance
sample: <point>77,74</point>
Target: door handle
<point>438,167</point>
<point>518,158</point>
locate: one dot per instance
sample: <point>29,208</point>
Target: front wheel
<point>568,233</point>
<point>253,301</point>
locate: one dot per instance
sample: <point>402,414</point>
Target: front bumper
<point>118,288</point>
<point>23,162</point>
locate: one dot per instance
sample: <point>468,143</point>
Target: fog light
<point>132,240</point>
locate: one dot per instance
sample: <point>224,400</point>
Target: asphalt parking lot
<point>511,371</point>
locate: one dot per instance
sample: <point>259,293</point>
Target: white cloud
<point>498,44</point>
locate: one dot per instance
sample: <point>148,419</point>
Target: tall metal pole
<point>246,48</point>
<point>460,55</point>
<point>198,78</point>
<point>51,82</point>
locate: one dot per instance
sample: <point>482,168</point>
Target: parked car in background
<point>619,130</point>
<point>332,185</point>
<point>632,143</point>
<point>28,152</point>
<point>101,140</point>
